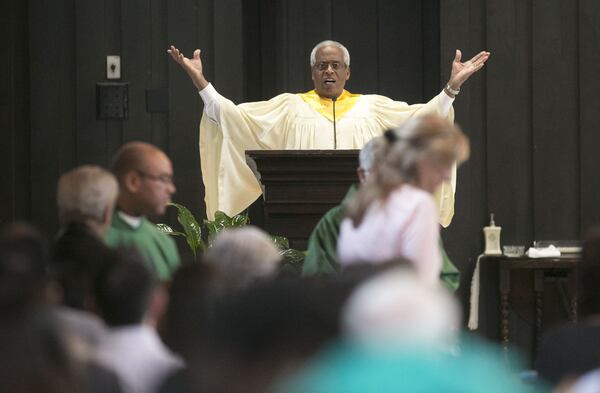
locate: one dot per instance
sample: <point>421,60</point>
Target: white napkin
<point>546,252</point>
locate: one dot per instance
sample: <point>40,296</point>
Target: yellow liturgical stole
<point>324,106</point>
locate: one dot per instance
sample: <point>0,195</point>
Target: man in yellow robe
<point>302,121</point>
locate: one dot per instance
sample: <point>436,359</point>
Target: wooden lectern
<point>299,187</point>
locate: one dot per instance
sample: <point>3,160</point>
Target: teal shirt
<point>349,368</point>
<point>321,256</point>
<point>157,248</point>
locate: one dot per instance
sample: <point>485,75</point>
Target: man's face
<point>156,184</point>
<point>330,73</point>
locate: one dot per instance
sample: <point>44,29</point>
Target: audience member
<point>238,259</point>
<point>35,356</point>
<point>394,214</point>
<point>241,257</point>
<point>186,324</point>
<point>573,349</point>
<point>131,300</point>
<point>269,330</point>
<point>23,265</point>
<point>78,259</point>
<point>85,197</point>
<point>191,305</point>
<point>145,178</point>
<point>37,353</point>
<point>395,309</point>
<point>399,336</point>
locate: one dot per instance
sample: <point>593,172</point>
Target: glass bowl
<point>513,251</point>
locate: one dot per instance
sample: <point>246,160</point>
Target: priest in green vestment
<point>321,255</point>
<point>145,176</point>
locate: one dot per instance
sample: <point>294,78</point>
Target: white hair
<point>85,193</point>
<point>243,256</point>
<point>313,53</point>
<point>396,308</point>
<point>366,156</point>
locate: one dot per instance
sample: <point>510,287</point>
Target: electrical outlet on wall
<point>113,67</point>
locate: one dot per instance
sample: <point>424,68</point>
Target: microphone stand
<point>334,99</point>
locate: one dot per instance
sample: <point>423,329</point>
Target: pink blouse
<point>405,225</point>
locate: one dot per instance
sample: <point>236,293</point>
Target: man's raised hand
<point>193,66</point>
<point>463,71</point>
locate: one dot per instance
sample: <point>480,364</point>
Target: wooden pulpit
<point>299,187</point>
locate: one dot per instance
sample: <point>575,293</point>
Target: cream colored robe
<point>287,122</point>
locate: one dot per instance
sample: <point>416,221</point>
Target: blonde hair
<point>85,193</point>
<point>398,154</point>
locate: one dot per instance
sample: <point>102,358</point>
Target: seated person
<point>400,334</point>
<point>36,351</point>
<point>145,176</point>
<point>85,199</point>
<point>131,300</point>
<point>241,257</point>
<point>573,349</point>
<point>86,196</point>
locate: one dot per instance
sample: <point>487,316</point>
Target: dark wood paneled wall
<point>251,50</point>
<point>532,119</point>
<point>15,190</point>
<point>531,114</point>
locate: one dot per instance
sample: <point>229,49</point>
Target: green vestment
<point>157,248</point>
<point>321,256</point>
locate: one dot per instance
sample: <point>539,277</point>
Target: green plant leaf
<point>293,256</point>
<point>240,220</point>
<point>164,228</point>
<point>192,230</point>
<point>291,263</point>
<point>281,242</point>
<point>223,221</point>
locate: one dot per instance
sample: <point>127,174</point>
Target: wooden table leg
<point>538,287</point>
<point>572,285</point>
<point>504,307</point>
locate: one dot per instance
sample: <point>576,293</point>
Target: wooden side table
<point>560,271</point>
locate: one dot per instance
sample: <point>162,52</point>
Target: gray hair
<point>366,157</point>
<point>85,193</point>
<point>242,256</point>
<point>396,308</point>
<point>313,53</point>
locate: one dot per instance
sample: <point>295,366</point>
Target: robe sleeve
<point>230,185</point>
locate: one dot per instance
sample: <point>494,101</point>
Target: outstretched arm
<point>463,71</point>
<point>193,66</point>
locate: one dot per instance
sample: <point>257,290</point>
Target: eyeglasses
<point>335,65</point>
<point>164,178</point>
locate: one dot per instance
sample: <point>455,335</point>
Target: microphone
<point>334,99</point>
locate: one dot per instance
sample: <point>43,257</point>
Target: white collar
<point>133,221</point>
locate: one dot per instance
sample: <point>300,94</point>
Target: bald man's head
<point>145,176</point>
<point>133,156</point>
